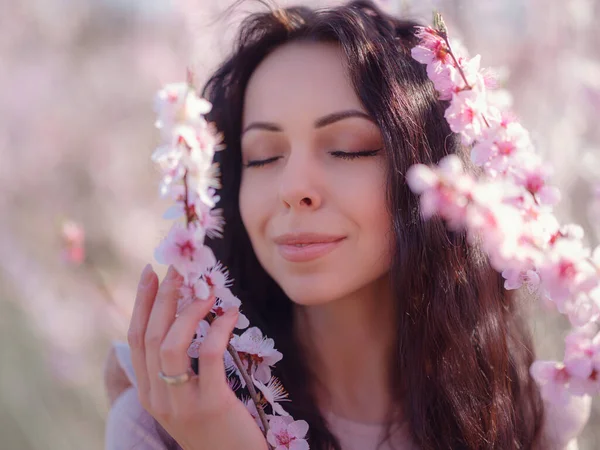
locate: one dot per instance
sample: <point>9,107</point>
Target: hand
<point>202,413</point>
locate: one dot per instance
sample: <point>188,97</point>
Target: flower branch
<point>190,179</point>
<point>509,209</point>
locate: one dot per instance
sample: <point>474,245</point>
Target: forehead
<point>300,80</point>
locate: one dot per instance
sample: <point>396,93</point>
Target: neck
<point>349,342</point>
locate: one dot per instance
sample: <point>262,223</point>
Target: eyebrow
<point>319,123</point>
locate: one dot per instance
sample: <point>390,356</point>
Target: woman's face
<point>312,194</point>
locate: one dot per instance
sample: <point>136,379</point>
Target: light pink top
<point>129,426</point>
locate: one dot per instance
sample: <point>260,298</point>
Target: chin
<point>312,293</point>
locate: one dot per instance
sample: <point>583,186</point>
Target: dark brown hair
<point>463,350</point>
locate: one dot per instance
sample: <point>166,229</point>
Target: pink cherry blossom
<point>583,309</point>
<point>286,434</point>
<point>442,77</point>
<point>515,278</point>
<point>434,52</point>
<point>193,289</point>
<point>472,73</point>
<point>203,180</point>
<point>466,114</point>
<point>497,150</point>
<point>273,392</point>
<point>73,236</point>
<point>177,103</point>
<point>431,48</point>
<point>218,279</point>
<point>566,270</point>
<point>201,332</point>
<point>257,352</point>
<point>181,249</point>
<point>251,407</point>
<point>512,216</point>
<point>190,178</point>
<point>582,359</point>
<point>499,226</point>
<point>553,379</point>
<point>532,174</point>
<point>209,219</point>
<point>421,178</point>
<point>444,190</point>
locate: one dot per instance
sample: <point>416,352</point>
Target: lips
<point>303,247</point>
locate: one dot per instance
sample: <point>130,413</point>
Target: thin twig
<point>462,73</point>
<point>253,394</point>
<point>233,352</point>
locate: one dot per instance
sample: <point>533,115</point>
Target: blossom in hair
<point>286,433</point>
<point>508,209</point>
<point>583,309</point>
<point>582,359</point>
<point>432,48</point>
<point>466,114</point>
<point>566,270</point>
<point>553,379</point>
<point>579,374</point>
<point>496,151</point>
<point>443,188</point>
<point>515,278</point>
<point>532,174</point>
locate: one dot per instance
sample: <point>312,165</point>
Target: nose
<point>300,186</point>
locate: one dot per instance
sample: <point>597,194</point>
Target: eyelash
<point>337,153</point>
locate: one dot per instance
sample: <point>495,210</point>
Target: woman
<point>393,330</point>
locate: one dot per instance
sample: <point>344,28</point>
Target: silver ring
<point>177,379</point>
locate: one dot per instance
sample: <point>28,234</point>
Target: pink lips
<point>302,247</point>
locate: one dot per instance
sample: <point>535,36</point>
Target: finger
<point>161,318</point>
<point>173,351</point>
<point>142,307</point>
<point>210,354</point>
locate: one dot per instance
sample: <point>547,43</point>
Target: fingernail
<point>233,311</point>
<point>146,275</point>
<point>171,273</point>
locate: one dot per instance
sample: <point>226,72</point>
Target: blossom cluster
<point>190,178</point>
<point>508,209</point>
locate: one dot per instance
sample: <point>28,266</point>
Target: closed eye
<point>261,162</point>
<point>354,155</point>
<point>337,153</point>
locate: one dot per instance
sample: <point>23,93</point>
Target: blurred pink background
<point>76,134</point>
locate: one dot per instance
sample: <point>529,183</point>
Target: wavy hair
<point>463,349</point>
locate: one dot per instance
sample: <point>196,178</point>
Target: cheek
<point>254,204</point>
<point>248,204</point>
<point>373,219</point>
<point>363,197</point>
<point>362,201</point>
